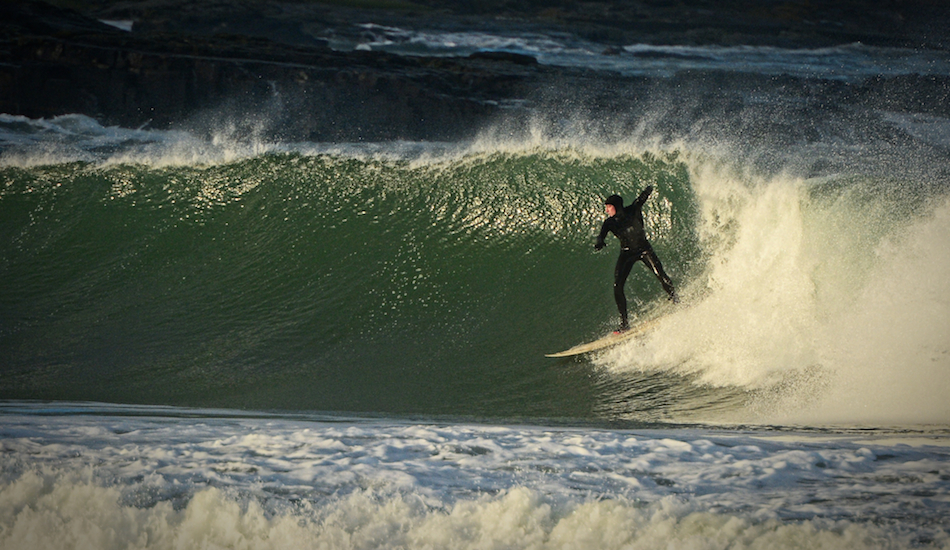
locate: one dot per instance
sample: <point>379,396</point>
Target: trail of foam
<point>123,482</point>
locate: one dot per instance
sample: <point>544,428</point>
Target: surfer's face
<point>610,209</point>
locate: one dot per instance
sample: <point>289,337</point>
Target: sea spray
<point>822,301</point>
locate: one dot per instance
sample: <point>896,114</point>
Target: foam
<point>849,61</point>
<point>66,139</point>
<point>203,482</point>
<point>825,308</point>
<point>891,348</point>
<point>86,516</point>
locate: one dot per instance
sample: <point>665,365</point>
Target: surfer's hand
<point>599,245</point>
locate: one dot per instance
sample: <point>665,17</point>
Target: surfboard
<point>610,340</point>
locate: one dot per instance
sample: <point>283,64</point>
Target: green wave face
<point>322,282</point>
<point>340,282</point>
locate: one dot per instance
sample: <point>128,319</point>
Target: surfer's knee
<point>618,293</point>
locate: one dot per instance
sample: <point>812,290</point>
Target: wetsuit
<point>627,226</point>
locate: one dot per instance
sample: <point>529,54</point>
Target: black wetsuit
<point>627,225</point>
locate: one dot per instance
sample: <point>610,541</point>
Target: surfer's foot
<point>674,298</point>
<point>623,328</point>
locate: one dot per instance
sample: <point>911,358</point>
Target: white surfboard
<point>611,339</point>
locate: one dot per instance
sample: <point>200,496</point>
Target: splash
<point>822,301</point>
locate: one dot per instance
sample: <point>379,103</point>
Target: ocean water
<point>217,340</point>
<point>847,61</point>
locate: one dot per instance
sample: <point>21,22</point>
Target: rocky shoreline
<point>266,68</point>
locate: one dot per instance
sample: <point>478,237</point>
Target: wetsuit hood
<point>615,200</point>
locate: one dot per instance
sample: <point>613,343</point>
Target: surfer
<point>626,223</point>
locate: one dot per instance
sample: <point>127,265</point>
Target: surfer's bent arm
<point>603,235</point>
<point>642,198</point>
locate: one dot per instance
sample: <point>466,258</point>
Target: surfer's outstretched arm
<point>642,198</point>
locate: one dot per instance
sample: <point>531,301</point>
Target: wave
<point>519,517</point>
<point>155,267</point>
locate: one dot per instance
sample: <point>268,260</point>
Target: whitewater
<point>211,339</point>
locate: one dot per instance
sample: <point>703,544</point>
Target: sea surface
<point>211,339</point>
